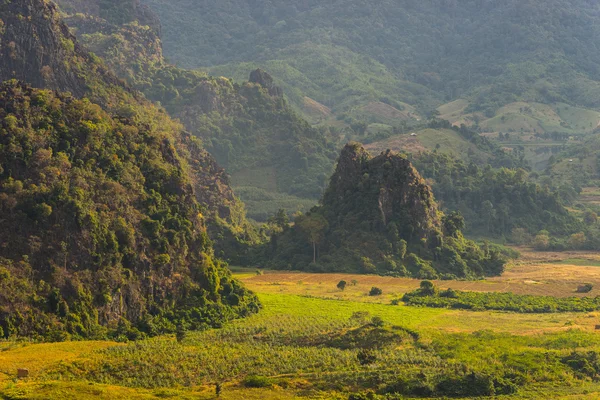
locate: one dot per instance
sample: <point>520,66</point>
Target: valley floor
<point>307,340</point>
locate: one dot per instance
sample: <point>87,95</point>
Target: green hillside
<point>421,53</point>
<point>379,216</point>
<point>248,127</point>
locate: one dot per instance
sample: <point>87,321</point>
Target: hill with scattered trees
<point>248,127</point>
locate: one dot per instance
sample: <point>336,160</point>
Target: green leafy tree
<point>577,241</point>
<point>428,288</point>
<point>541,241</point>
<point>520,236</point>
<point>181,333</point>
<point>314,226</point>
<point>489,214</point>
<point>590,217</point>
<point>402,249</point>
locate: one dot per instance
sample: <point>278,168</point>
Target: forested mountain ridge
<point>248,127</point>
<point>489,53</point>
<point>379,215</point>
<point>104,207</point>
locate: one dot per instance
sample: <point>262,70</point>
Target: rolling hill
<point>345,54</point>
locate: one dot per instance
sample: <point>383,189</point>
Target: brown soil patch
<point>387,111</point>
<point>313,107</point>
<point>406,143</point>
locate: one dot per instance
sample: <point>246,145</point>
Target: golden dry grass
<point>536,273</point>
<point>38,357</point>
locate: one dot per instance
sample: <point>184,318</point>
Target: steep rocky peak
<point>36,47</point>
<point>388,182</point>
<point>265,80</point>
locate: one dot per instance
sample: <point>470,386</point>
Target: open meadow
<point>312,340</point>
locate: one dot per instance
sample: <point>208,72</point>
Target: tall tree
<point>314,226</point>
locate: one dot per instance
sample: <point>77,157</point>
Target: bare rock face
<point>32,50</point>
<point>37,48</point>
<point>265,80</point>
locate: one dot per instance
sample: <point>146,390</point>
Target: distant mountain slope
<point>489,185</point>
<point>104,209</point>
<point>248,127</point>
<point>379,215</point>
<point>490,53</point>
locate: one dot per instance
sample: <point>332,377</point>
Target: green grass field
<point>309,346</point>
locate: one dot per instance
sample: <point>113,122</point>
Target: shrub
<point>366,357</point>
<point>341,285</point>
<point>585,288</point>
<point>450,293</point>
<point>255,381</point>
<point>584,364</point>
<point>502,302</point>
<point>181,333</point>
<point>428,288</point>
<point>375,291</point>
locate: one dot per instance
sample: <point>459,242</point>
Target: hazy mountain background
<point>352,55</point>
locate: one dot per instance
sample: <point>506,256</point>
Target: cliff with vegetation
<point>56,60</point>
<point>379,216</point>
<point>106,202</point>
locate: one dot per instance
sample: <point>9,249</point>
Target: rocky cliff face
<point>390,188</point>
<point>36,47</point>
<point>265,80</point>
<point>379,216</point>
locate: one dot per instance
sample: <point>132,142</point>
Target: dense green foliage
<point>104,207</point>
<point>379,216</point>
<point>495,201</point>
<point>493,53</point>
<point>500,301</point>
<point>311,348</point>
<point>100,225</point>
